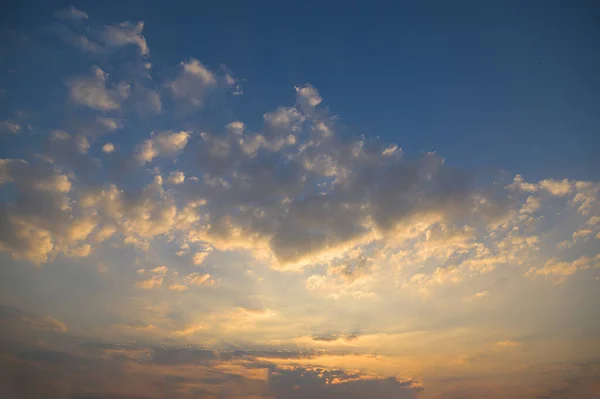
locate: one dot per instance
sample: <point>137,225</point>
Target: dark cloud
<point>73,368</point>
<point>320,383</point>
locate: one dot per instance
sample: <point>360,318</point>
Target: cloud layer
<point>180,250</point>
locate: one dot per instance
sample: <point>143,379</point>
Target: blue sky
<point>478,82</point>
<point>259,201</point>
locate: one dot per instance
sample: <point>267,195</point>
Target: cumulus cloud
<point>125,33</point>
<point>9,127</point>
<point>178,287</point>
<point>200,256</point>
<point>556,187</point>
<point>162,144</point>
<point>110,124</point>
<point>176,177</point>
<point>198,279</point>
<point>557,270</point>
<point>40,223</point>
<point>138,218</point>
<point>92,92</point>
<point>195,82</point>
<point>155,278</point>
<point>108,148</point>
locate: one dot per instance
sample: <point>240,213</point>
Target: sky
<point>242,200</point>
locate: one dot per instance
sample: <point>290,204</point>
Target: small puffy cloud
<point>558,270</point>
<point>163,144</point>
<point>138,218</point>
<point>10,127</point>
<point>108,148</point>
<point>83,144</point>
<point>110,124</point>
<point>308,97</point>
<point>160,270</point>
<point>188,330</point>
<point>532,204</point>
<point>198,279</point>
<point>200,256</point>
<point>155,280</point>
<point>557,187</point>
<point>521,185</point>
<point>151,283</point>
<point>193,83</point>
<point>71,14</point>
<point>176,177</point>
<point>125,33</point>
<point>178,287</point>
<point>92,92</point>
<point>40,222</point>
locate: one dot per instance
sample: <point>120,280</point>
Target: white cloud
<point>110,124</point>
<point>178,287</point>
<point>40,223</point>
<point>176,177</point>
<point>200,257</point>
<point>108,148</point>
<point>155,280</point>
<point>198,279</point>
<point>188,330</point>
<point>92,92</point>
<point>71,14</point>
<point>557,187</point>
<point>151,283</point>
<point>163,144</point>
<point>308,97</point>
<point>557,270</point>
<point>125,33</point>
<point>193,82</point>
<point>10,127</point>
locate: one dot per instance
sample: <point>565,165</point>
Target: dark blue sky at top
<point>488,85</point>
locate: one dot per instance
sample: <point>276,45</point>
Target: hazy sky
<point>321,200</point>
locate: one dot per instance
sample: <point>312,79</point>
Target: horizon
<point>242,201</point>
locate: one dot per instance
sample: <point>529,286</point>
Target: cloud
<point>91,91</point>
<point>194,83</point>
<point>556,187</point>
<point>200,256</point>
<point>198,279</point>
<point>557,270</point>
<point>125,33</point>
<point>176,177</point>
<point>314,382</point>
<point>110,124</point>
<point>10,127</point>
<point>163,144</point>
<point>155,280</point>
<point>188,330</point>
<point>71,14</point>
<point>308,96</point>
<point>80,41</point>
<point>40,223</point>
<point>138,218</point>
<point>108,148</point>
<point>178,287</point>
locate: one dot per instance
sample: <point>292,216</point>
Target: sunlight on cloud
<point>200,255</point>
